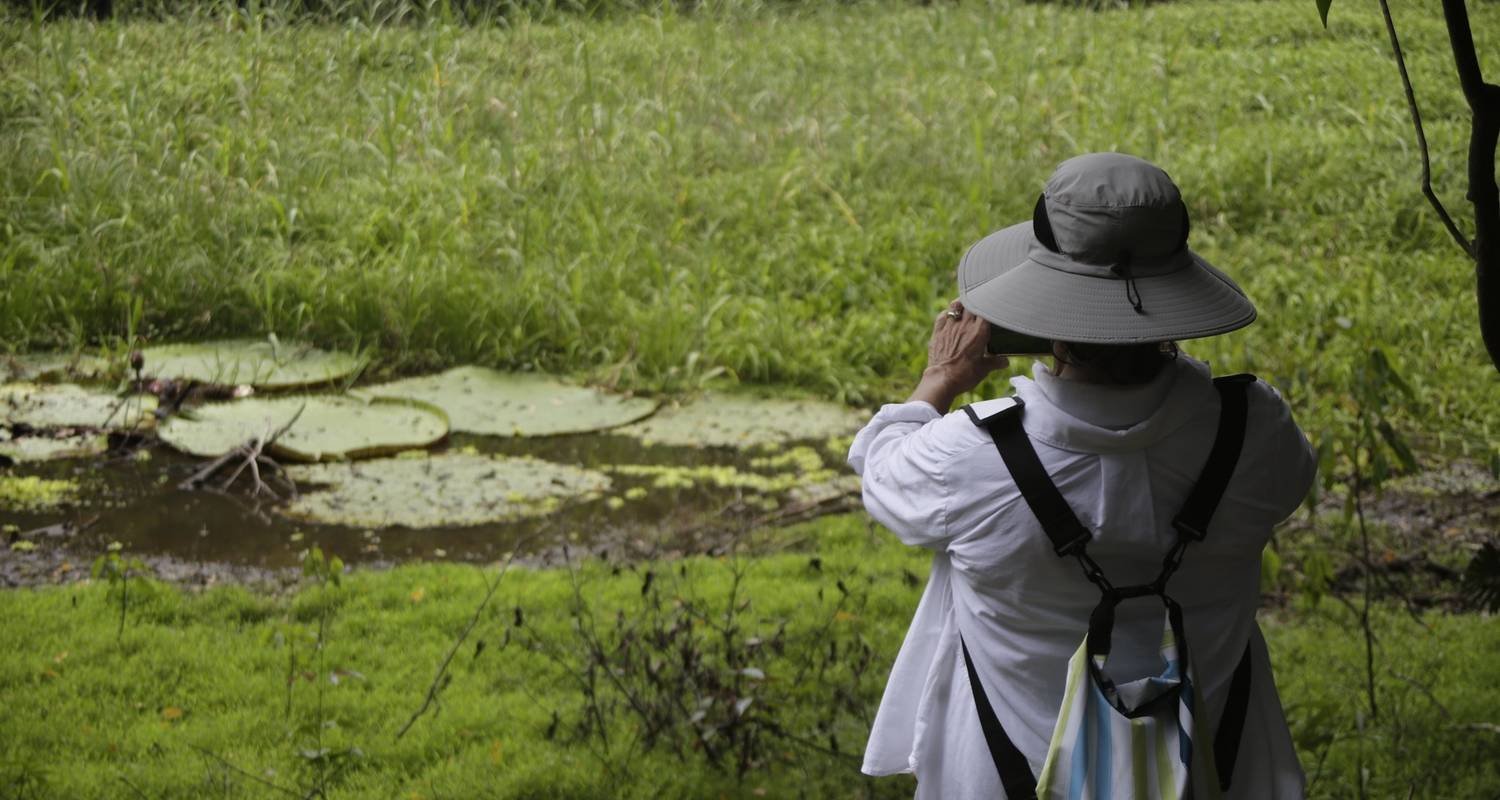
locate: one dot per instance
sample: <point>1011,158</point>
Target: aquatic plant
<point>745,422</point>
<point>721,476</point>
<point>120,571</point>
<point>51,366</point>
<point>446,490</point>
<point>493,403</point>
<point>263,363</point>
<point>67,405</point>
<point>326,427</point>
<point>33,493</point>
<point>45,448</point>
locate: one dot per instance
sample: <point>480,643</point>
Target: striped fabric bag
<point>1135,740</point>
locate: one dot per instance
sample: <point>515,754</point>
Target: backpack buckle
<point>1189,530</point>
<point>1074,546</point>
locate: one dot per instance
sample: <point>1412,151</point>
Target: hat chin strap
<point>1132,292</point>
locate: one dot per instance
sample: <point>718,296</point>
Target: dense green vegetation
<point>780,195</point>
<point>197,680</point>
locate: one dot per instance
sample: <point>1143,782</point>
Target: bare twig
<point>250,455</point>
<point>584,614</point>
<point>116,408</point>
<point>1322,757</point>
<point>1364,612</point>
<point>811,509</point>
<point>280,472</point>
<point>59,529</point>
<point>437,680</point>
<point>1416,121</point>
<point>132,787</point>
<point>252,776</point>
<point>1422,687</point>
<point>199,478</point>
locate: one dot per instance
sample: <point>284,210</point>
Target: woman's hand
<point>956,358</point>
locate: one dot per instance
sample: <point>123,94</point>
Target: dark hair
<point>1120,364</point>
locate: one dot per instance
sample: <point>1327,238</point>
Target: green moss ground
<point>90,716</point>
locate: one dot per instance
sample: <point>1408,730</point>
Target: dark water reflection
<point>137,503</point>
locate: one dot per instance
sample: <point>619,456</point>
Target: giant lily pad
<point>327,428</point>
<point>40,448</point>
<point>262,363</point>
<point>66,405</point>
<point>492,403</point>
<point>723,421</point>
<point>52,366</point>
<point>449,490</point>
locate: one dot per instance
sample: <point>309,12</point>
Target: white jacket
<point>1125,459</point>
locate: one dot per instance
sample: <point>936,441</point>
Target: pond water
<point>135,499</point>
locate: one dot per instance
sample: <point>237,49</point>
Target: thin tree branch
<point>1416,121</point>
<point>1461,38</point>
<point>1422,687</point>
<point>1364,611</point>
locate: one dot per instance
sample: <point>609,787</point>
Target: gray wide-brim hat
<point>1104,260</point>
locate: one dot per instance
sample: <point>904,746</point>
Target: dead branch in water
<point>250,455</point>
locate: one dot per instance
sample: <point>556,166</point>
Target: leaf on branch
<point>1389,376</point>
<point>1398,446</point>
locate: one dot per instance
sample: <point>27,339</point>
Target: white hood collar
<point>1093,418</point>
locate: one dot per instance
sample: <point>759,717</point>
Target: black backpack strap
<point>1192,520</point>
<point>1061,525</point>
<point>1232,722</point>
<point>1015,772</point>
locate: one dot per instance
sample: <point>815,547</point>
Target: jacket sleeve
<point>1281,457</point>
<point>901,462</point>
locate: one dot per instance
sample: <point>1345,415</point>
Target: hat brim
<point>998,281</point>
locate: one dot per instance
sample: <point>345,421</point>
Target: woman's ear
<point>1059,357</point>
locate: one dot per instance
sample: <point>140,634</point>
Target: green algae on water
<point>447,490</point>
<point>721,477</point>
<point>32,493</point>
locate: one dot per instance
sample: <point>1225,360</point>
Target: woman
<point>1123,425</point>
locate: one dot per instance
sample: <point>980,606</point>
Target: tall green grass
<point>779,193</point>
